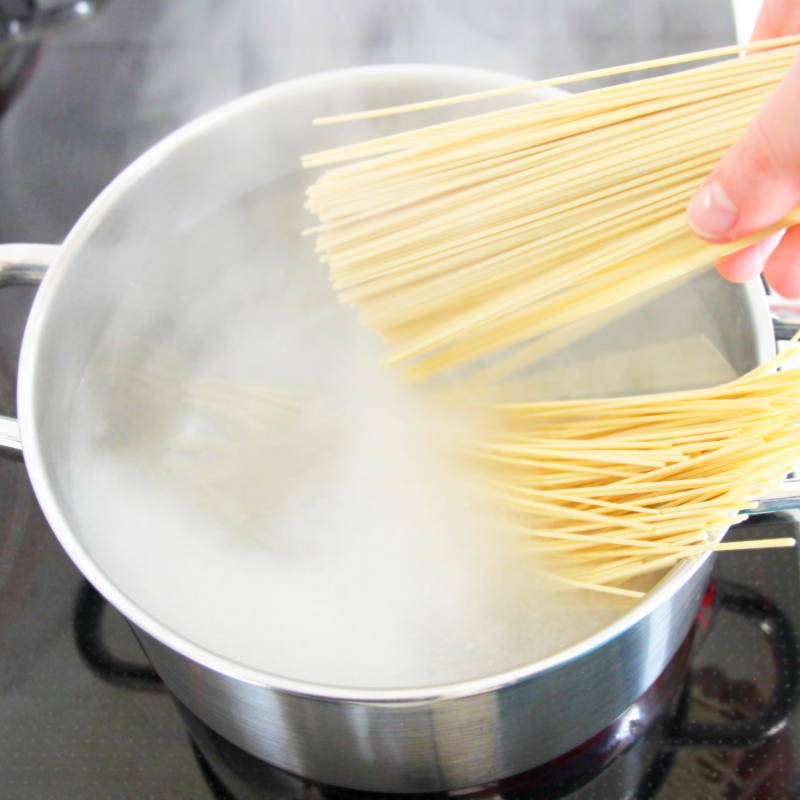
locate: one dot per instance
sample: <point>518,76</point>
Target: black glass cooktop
<point>81,713</point>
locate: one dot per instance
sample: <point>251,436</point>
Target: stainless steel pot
<point>410,740</point>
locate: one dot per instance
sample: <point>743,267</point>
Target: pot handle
<point>785,316</point>
<point>21,265</point>
<point>785,323</point>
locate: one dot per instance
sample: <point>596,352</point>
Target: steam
<point>204,52</point>
<point>244,470</point>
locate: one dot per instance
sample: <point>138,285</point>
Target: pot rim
<point>671,583</point>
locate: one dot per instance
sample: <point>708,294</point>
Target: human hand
<point>757,182</point>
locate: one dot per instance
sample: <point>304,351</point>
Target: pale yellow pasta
<point>610,489</point>
<point>461,240</point>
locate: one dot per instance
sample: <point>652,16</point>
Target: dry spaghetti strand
<point>605,72</point>
<point>617,488</point>
<point>466,239</point>
<point>494,234</point>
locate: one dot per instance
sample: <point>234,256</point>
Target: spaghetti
<point>611,489</point>
<point>464,239</point>
<point>494,234</point>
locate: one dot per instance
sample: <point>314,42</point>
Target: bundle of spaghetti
<point>464,239</point>
<point>611,489</point>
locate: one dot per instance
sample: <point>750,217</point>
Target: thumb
<point>757,182</point>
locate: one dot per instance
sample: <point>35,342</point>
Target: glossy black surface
<point>81,714</point>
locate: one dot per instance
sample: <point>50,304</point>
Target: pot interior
<point>173,337</point>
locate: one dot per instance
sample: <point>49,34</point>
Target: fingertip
<point>738,268</point>
<point>782,269</point>
<point>747,263</point>
<point>711,213</point>
<point>785,282</point>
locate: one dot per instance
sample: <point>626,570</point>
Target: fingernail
<point>711,212</point>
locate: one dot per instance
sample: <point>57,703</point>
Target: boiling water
<point>329,542</point>
<point>243,470</point>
